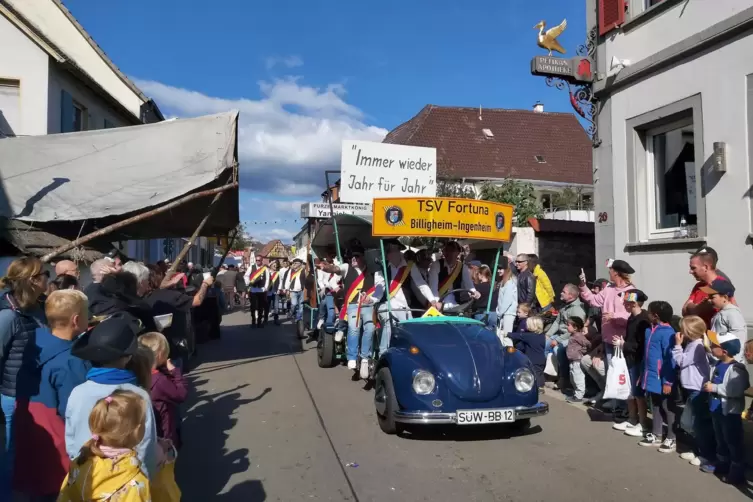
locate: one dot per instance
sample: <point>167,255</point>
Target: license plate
<point>474,417</point>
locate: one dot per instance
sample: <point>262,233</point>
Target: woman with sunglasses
<point>20,315</point>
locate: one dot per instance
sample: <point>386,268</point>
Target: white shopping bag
<point>551,366</point>
<point>618,378</point>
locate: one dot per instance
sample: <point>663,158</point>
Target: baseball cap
<point>719,287</point>
<point>729,343</point>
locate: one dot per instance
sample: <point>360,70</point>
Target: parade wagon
<point>447,368</point>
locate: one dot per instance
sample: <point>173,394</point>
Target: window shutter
<point>611,15</point>
<point>66,112</point>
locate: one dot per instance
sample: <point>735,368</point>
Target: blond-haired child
<point>168,390</point>
<point>42,462</point>
<point>107,467</point>
<point>531,343</point>
<point>694,372</point>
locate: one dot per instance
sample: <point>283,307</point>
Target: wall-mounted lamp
<point>719,163</point>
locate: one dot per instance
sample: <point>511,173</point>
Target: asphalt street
<point>265,423</point>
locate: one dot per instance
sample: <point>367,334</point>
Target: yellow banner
<point>442,218</point>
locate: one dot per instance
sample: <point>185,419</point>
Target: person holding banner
<point>408,290</point>
<point>294,282</point>
<point>362,291</point>
<point>449,273</point>
<point>258,282</point>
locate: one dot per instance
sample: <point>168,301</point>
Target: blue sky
<point>308,74</point>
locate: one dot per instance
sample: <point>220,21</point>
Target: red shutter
<point>611,15</point>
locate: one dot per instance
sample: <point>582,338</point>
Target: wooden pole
<point>134,219</point>
<point>187,247</point>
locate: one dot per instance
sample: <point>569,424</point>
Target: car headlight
<point>423,382</point>
<point>524,380</point>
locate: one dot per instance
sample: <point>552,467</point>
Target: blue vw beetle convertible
<point>452,370</point>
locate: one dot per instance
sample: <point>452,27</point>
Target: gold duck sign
<point>574,70</point>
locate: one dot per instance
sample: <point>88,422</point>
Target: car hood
<point>467,357</point>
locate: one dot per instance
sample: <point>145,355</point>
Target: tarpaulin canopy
<point>87,180</point>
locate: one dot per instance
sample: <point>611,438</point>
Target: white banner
<point>322,209</point>
<point>369,170</point>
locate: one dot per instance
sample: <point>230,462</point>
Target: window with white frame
<point>671,180</point>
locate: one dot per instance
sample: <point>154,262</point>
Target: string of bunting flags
<point>272,222</point>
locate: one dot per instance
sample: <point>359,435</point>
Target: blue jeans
<point>386,335</point>
<point>8,458</point>
<point>296,304</point>
<point>491,321</point>
<point>327,310</point>
<point>366,322</point>
<point>728,430</point>
<point>703,427</point>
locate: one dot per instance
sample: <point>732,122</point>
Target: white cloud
<point>288,62</point>
<point>266,235</point>
<point>287,138</point>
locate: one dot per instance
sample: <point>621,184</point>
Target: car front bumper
<point>429,417</point>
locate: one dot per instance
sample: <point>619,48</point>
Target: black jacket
<point>18,356</point>
<point>112,296</point>
<point>526,287</point>
<point>530,344</point>
<point>635,336</point>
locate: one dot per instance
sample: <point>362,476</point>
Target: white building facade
<point>54,78</point>
<point>674,81</point>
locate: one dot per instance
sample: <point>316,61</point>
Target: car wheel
<point>520,426</point>
<point>385,402</point>
<point>326,349</point>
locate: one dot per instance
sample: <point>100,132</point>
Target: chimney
<point>538,107</point>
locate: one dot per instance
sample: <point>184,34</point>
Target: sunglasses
<point>521,261</point>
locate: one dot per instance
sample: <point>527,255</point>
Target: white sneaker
<point>635,431</point>
<point>339,336</point>
<point>622,426</point>
<point>698,461</point>
<point>320,324</point>
<point>688,455</point>
<point>364,369</point>
<point>352,365</point>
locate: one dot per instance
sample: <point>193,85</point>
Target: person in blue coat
<point>41,460</point>
<point>531,343</point>
<point>658,375</point>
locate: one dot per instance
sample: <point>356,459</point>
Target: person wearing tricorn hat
<point>362,290</point>
<point>294,283</point>
<point>449,273</point>
<point>112,348</point>
<point>614,316</point>
<point>407,289</point>
<point>728,319</point>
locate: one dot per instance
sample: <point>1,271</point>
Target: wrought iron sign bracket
<point>582,97</point>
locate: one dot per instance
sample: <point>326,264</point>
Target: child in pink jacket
<point>614,316</point>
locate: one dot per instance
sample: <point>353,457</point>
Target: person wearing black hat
<point>361,293</point>
<point>111,347</point>
<point>407,289</point>
<point>614,315</point>
<point>294,284</point>
<point>449,273</point>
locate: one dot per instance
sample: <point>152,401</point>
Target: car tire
<point>326,349</point>
<point>384,389</point>
<point>520,426</point>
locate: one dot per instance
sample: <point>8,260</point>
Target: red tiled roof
<point>464,151</point>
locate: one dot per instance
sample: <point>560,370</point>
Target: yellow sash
<point>256,273</point>
<point>450,279</point>
<point>399,279</point>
